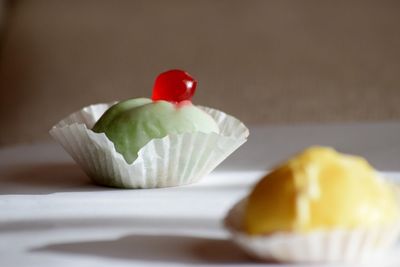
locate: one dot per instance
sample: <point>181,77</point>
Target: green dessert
<point>132,123</point>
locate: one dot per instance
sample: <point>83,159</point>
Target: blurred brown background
<point>265,62</point>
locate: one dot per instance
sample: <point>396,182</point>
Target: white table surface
<point>51,215</point>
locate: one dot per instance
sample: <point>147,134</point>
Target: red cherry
<point>174,86</point>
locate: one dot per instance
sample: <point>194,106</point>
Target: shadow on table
<point>48,178</point>
<point>156,248</point>
<point>109,222</point>
<point>45,179</point>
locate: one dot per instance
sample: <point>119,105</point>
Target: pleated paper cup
<point>323,246</point>
<point>170,161</point>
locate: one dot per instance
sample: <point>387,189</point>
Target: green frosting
<point>131,124</point>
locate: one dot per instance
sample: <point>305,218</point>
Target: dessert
<point>146,143</point>
<point>132,123</point>
<point>318,206</point>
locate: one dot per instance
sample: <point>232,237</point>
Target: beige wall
<point>263,61</point>
<point>2,18</point>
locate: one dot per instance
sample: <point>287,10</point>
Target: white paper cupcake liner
<point>323,246</point>
<point>169,161</point>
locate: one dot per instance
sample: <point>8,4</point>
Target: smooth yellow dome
<point>320,189</point>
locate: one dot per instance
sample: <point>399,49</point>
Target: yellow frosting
<point>320,189</point>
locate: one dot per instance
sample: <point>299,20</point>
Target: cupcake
<point>319,206</point>
<point>146,143</point>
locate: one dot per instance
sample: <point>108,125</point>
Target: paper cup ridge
<point>321,246</point>
<point>169,161</point>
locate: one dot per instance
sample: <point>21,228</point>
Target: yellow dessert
<point>320,189</point>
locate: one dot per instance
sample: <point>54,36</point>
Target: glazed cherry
<point>174,86</point>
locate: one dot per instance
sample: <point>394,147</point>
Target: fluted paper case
<point>360,245</point>
<point>169,161</point>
